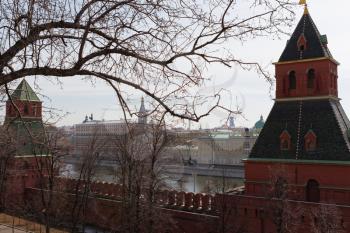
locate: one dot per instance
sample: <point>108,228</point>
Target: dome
<point>260,123</point>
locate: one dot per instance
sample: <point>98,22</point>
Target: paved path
<point>6,229</point>
<point>21,225</point>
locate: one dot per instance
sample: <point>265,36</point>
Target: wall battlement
<point>171,199</point>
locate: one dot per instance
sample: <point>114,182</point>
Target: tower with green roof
<point>24,120</point>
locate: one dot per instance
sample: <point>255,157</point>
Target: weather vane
<point>303,2</point>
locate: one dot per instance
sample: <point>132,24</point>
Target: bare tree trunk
<point>7,152</point>
<point>139,156</point>
<point>89,161</point>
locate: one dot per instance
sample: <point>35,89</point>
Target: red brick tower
<point>26,101</point>
<point>25,127</point>
<point>24,117</point>
<point>305,140</point>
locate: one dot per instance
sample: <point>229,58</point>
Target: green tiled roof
<point>24,92</point>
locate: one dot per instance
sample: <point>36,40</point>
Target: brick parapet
<point>170,199</point>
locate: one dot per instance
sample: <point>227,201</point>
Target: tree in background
<point>86,175</point>
<point>140,158</point>
<point>284,215</point>
<point>227,206</point>
<point>48,155</point>
<point>7,152</point>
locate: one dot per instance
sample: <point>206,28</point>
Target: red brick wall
<point>248,213</point>
<point>325,70</point>
<point>199,212</point>
<point>334,185</point>
<point>12,112</point>
<point>21,173</point>
<point>104,212</point>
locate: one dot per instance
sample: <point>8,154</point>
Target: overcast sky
<point>79,97</point>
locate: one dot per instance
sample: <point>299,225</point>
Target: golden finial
<point>303,2</point>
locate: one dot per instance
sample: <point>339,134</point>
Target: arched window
<point>336,81</point>
<point>310,141</point>
<point>285,141</point>
<point>292,80</point>
<point>313,191</point>
<point>311,77</point>
<point>34,107</point>
<point>26,109</point>
<point>284,144</point>
<point>302,43</point>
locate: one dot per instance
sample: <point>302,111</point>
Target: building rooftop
<point>103,122</point>
<point>24,92</point>
<point>325,117</point>
<point>315,43</point>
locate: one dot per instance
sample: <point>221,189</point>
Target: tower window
<point>285,141</point>
<point>26,109</point>
<point>313,191</point>
<point>34,110</point>
<point>292,80</point>
<point>284,145</point>
<point>302,43</point>
<point>336,81</point>
<point>310,141</point>
<point>311,78</point>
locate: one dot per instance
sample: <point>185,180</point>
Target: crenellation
<point>197,202</point>
<point>189,201</point>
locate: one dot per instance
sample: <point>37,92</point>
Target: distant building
<point>142,114</point>
<point>214,147</point>
<point>98,134</point>
<point>102,134</point>
<point>258,126</point>
<point>232,124</point>
<point>224,148</point>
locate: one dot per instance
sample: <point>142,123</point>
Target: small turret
<point>23,103</point>
<point>142,114</point>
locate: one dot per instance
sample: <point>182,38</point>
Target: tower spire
<point>142,114</point>
<point>306,10</point>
